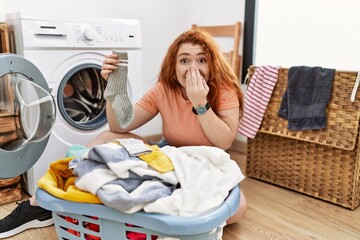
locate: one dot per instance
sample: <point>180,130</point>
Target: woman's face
<point>188,56</point>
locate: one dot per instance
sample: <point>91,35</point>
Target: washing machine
<point>69,53</point>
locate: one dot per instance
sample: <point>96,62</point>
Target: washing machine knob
<point>89,34</point>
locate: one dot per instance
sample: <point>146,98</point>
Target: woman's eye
<point>202,60</point>
<point>184,60</point>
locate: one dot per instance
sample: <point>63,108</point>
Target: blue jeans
<point>160,143</point>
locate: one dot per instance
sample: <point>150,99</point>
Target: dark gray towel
<point>306,97</point>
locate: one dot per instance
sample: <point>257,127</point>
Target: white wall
<point>308,32</point>
<point>214,12</point>
<point>161,21</point>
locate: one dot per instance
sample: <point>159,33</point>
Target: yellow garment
<point>158,160</point>
<point>60,182</point>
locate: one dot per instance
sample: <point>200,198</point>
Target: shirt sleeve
<point>228,100</point>
<point>150,100</point>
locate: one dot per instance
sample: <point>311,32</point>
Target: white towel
<point>206,175</point>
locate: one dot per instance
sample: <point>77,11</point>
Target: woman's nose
<point>193,64</point>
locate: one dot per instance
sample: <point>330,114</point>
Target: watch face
<point>201,110</point>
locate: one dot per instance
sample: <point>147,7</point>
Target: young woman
<point>200,103</point>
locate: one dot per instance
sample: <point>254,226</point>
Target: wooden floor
<point>281,214</point>
<point>274,213</point>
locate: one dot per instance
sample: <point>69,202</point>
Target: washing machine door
<point>27,115</point>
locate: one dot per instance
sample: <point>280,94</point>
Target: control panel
<point>106,35</point>
<point>99,33</point>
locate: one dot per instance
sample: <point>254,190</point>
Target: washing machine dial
<point>90,34</point>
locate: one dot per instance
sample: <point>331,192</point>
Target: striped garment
<point>257,98</point>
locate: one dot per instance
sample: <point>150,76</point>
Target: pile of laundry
<point>184,181</point>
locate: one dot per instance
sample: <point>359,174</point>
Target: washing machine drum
<point>27,115</point>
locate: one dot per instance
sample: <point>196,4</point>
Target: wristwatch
<point>202,109</point>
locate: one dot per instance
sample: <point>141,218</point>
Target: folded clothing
<point>60,182</point>
<point>158,160</point>
<point>135,147</point>
<point>306,97</point>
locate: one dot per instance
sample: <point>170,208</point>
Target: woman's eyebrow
<point>183,53</point>
<point>187,54</point>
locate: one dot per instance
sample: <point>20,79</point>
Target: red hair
<point>221,74</point>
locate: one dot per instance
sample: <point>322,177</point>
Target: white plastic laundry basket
<point>75,221</point>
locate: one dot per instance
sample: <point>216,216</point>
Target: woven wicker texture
<point>323,172</point>
<point>320,163</point>
<point>4,38</point>
<point>343,115</point>
<point>10,190</point>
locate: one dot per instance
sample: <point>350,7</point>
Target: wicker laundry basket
<point>10,190</point>
<point>321,163</point>
<point>4,38</point>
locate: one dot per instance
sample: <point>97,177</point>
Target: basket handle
<point>356,86</point>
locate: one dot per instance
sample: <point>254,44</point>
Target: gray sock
<point>116,92</point>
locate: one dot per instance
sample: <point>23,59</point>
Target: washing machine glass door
<point>27,115</point>
<point>80,97</point>
<point>36,111</point>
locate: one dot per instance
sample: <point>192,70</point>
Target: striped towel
<point>257,98</point>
